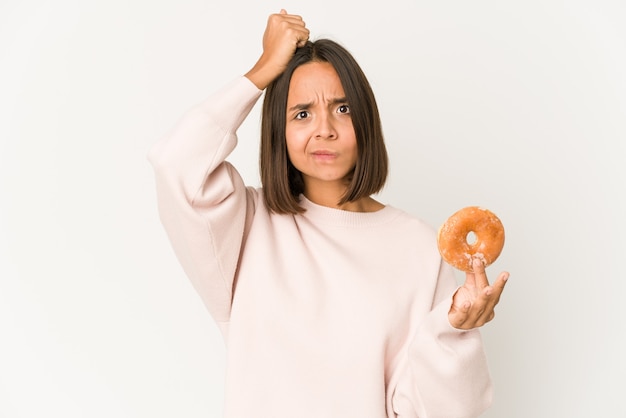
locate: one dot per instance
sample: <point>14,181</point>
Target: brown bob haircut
<point>282,182</point>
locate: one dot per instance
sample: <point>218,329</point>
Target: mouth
<point>324,155</point>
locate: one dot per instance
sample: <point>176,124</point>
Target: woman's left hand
<point>473,303</point>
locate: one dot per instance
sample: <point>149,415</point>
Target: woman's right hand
<point>283,34</point>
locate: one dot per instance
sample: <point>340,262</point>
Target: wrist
<point>263,73</point>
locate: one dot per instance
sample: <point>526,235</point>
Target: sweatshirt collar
<point>338,217</point>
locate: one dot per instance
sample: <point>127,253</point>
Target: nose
<point>325,128</point>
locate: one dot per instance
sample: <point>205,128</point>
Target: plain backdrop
<point>519,107</point>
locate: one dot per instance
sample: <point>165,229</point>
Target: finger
<point>485,304</point>
<point>283,28</point>
<point>480,276</point>
<point>494,291</point>
<point>303,39</point>
<point>295,24</point>
<point>481,308</point>
<point>501,281</point>
<point>458,315</point>
<point>291,18</point>
<point>470,279</point>
<point>284,17</point>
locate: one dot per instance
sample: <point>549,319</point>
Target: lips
<point>324,155</point>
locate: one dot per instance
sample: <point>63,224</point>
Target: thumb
<point>283,11</point>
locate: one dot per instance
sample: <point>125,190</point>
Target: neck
<point>329,195</point>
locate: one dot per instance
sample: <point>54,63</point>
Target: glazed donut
<point>452,238</point>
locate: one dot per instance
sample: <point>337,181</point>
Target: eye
<point>345,109</point>
<point>302,115</point>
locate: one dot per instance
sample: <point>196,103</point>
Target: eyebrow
<point>304,106</point>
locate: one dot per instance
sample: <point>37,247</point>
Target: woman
<point>331,303</point>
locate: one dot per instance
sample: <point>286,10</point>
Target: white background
<point>519,107</point>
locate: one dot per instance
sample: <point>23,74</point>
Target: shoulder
<point>413,231</point>
<point>411,221</point>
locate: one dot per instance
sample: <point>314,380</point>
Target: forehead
<point>315,79</point>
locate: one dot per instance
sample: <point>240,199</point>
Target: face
<point>320,137</point>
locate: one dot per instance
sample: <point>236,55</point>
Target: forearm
<point>446,373</point>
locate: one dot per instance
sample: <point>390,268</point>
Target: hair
<point>282,182</point>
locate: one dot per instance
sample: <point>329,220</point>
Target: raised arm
<point>203,203</point>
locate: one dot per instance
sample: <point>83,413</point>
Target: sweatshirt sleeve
<point>446,373</point>
<point>202,201</point>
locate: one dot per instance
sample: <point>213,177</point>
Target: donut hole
<point>471,238</point>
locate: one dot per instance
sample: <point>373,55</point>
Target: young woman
<point>331,303</point>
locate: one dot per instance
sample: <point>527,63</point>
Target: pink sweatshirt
<point>325,314</point>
